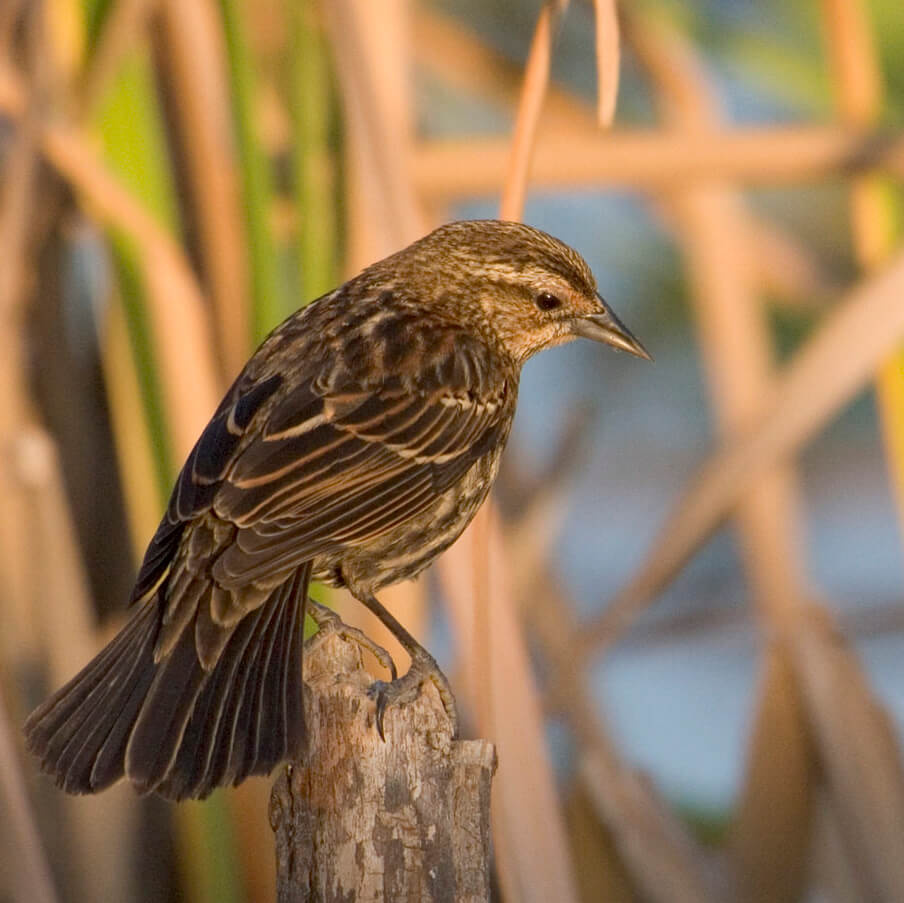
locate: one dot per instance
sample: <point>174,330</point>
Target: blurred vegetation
<point>204,157</point>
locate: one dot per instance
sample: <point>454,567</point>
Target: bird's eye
<point>545,301</point>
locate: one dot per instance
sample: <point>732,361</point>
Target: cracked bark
<point>364,820</point>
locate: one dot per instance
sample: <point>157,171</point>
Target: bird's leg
<point>326,619</point>
<point>423,667</point>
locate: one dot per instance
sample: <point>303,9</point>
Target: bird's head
<point>530,289</point>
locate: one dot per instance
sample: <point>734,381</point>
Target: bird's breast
<point>404,552</point>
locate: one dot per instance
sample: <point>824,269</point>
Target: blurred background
<point>681,620</point>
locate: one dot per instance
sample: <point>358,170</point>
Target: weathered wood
<point>364,820</point>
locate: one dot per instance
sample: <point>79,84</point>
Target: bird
<point>354,447</point>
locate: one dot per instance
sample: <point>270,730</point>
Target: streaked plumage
<point>355,446</point>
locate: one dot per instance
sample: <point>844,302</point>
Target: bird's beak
<point>604,326</point>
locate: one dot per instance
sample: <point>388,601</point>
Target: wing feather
<point>311,452</point>
<point>371,463</point>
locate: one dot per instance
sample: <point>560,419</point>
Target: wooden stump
<point>364,820</point>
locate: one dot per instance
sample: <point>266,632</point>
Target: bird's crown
<point>512,282</point>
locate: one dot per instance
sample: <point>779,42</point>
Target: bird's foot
<point>327,620</point>
<point>406,688</point>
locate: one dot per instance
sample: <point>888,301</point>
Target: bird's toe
<point>328,621</point>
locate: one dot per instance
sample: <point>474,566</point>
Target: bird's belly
<point>402,553</point>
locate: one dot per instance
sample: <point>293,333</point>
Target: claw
<point>380,692</point>
<point>407,688</point>
<point>382,702</point>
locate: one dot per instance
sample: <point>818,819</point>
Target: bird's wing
<point>232,428</point>
<point>301,461</point>
<point>202,474</point>
<point>342,466</point>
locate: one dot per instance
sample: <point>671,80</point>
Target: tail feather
<point>290,712</point>
<point>108,713</point>
<point>109,761</point>
<point>276,733</point>
<point>204,734</point>
<point>55,717</point>
<point>264,737</point>
<point>226,732</point>
<point>172,726</point>
<point>158,728</point>
<point>59,730</point>
<point>247,745</point>
<point>214,744</point>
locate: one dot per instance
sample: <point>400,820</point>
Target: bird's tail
<point>173,727</point>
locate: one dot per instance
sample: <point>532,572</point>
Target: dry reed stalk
<point>528,828</point>
<point>599,871</point>
<point>9,17</point>
<point>890,391</point>
<point>859,752</point>
<point>784,266</point>
<point>770,841</point>
<point>20,629</point>
<point>130,428</point>
<point>371,47</point>
<point>185,350</point>
<point>248,805</point>
<point>312,117</point>
<point>530,103</point>
<point>30,880</point>
<point>833,364</point>
<point>21,438</point>
<point>181,329</point>
<point>861,755</point>
<point>528,834</point>
<point>365,37</point>
<point>854,63</point>
<point>58,609</point>
<point>736,346</point>
<point>20,637</point>
<point>446,169</point>
<point>608,49</point>
<point>460,58</point>
<point>640,824</point>
<point>833,872</point>
<point>657,849</point>
<point>195,59</point>
<point>66,34</point>
<point>859,98</point>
